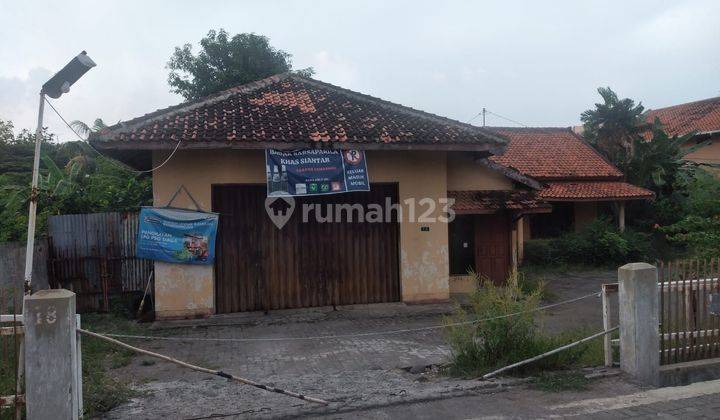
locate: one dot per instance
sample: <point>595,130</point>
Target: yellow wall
<point>707,154</point>
<point>585,213</point>
<point>464,174</point>
<point>185,291</point>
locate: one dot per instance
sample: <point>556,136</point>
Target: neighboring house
<point>575,178</point>
<point>410,154</point>
<point>699,117</point>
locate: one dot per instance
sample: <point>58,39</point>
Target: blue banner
<point>177,236</point>
<point>315,172</point>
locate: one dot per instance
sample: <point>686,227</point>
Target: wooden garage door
<point>260,267</point>
<point>492,246</point>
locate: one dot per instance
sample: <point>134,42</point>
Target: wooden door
<point>260,267</point>
<point>493,246</point>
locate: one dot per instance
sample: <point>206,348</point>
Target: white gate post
<point>51,363</point>
<point>639,317</point>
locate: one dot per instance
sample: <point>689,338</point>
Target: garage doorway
<point>261,267</point>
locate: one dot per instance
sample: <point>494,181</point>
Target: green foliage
<point>599,244</point>
<point>698,232</point>
<point>495,342</point>
<point>614,126</point>
<point>225,62</point>
<point>72,179</point>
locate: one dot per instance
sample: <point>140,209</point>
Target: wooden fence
<point>688,329</point>
<point>94,256</point>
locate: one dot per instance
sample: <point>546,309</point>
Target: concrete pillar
<point>51,363</point>
<point>621,216</point>
<point>639,316</point>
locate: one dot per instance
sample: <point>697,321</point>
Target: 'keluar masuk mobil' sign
<point>315,172</point>
<point>177,236</point>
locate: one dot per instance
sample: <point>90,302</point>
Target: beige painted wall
<point>464,174</point>
<point>585,213</point>
<point>707,154</point>
<point>185,291</point>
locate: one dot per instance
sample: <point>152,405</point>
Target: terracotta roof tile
<point>593,191</point>
<point>552,154</point>
<point>479,202</point>
<point>289,108</point>
<point>701,116</point>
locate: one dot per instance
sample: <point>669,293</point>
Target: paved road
<point>700,400</point>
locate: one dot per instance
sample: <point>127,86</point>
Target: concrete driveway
<point>353,372</point>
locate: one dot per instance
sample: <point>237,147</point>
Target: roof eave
<point>118,145</point>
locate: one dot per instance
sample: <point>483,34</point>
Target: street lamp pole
<point>57,85</point>
<point>30,246</point>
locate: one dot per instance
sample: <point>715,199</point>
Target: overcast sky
<point>535,62</point>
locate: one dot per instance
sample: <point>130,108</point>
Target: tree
<point>614,126</point>
<point>85,130</point>
<point>225,62</point>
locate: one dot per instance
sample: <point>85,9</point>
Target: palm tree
<point>85,130</point>
<point>614,126</point>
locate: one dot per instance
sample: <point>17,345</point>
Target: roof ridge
<point>193,103</point>
<point>252,86</point>
<point>393,105</point>
<point>714,98</point>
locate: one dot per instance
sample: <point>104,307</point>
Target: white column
<point>51,363</point>
<point>621,217</point>
<point>639,316</point>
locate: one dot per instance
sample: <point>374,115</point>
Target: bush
<point>598,244</point>
<point>481,347</point>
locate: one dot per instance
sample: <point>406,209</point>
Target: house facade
<point>699,117</point>
<point>576,179</point>
<point>215,148</point>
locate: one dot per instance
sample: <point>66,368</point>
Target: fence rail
<point>688,330</point>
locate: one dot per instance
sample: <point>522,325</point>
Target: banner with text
<point>177,236</point>
<point>315,171</point>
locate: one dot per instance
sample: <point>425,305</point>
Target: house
<point>215,148</point>
<point>577,180</point>
<point>699,117</point>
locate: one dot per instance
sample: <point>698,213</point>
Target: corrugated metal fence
<point>94,256</point>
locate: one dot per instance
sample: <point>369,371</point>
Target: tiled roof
<point>701,116</point>
<point>291,111</point>
<point>593,191</point>
<point>483,202</point>
<point>552,154</point>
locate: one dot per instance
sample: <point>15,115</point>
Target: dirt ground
<point>354,373</point>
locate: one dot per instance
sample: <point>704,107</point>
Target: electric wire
<point>125,167</point>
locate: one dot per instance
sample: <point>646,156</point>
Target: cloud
<point>19,97</point>
<point>334,69</point>
<point>685,28</point>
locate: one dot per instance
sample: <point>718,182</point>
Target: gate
<point>261,267</point>
<point>688,329</point>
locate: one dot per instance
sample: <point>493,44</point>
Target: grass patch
<point>560,382</point>
<point>498,341</point>
<point>102,392</point>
